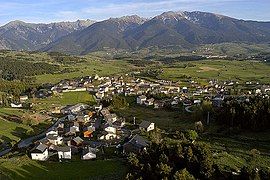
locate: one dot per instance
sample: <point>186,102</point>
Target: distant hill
<point>18,35</point>
<point>106,34</point>
<point>170,29</point>
<point>180,30</point>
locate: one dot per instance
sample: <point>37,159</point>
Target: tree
<point>192,135</point>
<point>183,175</point>
<point>119,102</point>
<point>133,160</point>
<point>164,169</point>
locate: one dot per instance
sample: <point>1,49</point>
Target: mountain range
<point>170,29</point>
<point>18,35</point>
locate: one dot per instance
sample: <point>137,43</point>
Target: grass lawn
<point>64,99</point>
<point>25,168</point>
<point>163,119</point>
<point>11,111</point>
<point>11,131</point>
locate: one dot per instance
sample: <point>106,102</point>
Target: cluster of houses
<point>75,133</point>
<point>105,87</point>
<point>82,131</point>
<point>84,125</point>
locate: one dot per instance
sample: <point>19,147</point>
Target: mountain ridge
<point>181,29</point>
<point>19,35</point>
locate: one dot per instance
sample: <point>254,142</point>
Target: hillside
<point>183,30</point>
<point>18,35</point>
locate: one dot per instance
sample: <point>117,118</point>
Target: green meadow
<point>22,167</point>
<point>63,99</point>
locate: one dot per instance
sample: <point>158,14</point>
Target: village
<point>84,130</point>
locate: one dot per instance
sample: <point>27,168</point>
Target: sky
<point>45,11</point>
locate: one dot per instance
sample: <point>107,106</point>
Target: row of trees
<point>172,160</point>
<point>13,69</point>
<point>248,115</point>
<point>183,158</point>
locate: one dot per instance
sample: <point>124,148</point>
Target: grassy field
<point>204,70</point>
<point>91,67</point>
<point>25,168</point>
<point>235,152</point>
<point>219,69</point>
<point>11,131</point>
<point>162,118</point>
<point>68,98</point>
<point>12,111</point>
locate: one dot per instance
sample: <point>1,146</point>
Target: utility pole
<point>208,118</point>
<point>134,120</point>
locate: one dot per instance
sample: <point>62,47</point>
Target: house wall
<point>40,156</point>
<point>64,155</point>
<point>151,127</point>
<point>89,156</point>
<point>111,129</point>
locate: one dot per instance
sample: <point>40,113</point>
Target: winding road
<point>27,142</point>
<point>188,109</point>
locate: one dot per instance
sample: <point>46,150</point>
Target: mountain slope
<point>170,29</point>
<point>19,35</point>
<point>105,34</point>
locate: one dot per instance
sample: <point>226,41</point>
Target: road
<point>27,142</point>
<point>188,109</point>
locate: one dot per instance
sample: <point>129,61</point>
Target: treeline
<point>13,69</point>
<point>65,59</point>
<point>253,114</point>
<point>15,87</point>
<point>172,160</point>
<point>184,158</point>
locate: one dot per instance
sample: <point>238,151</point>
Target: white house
<point>89,153</point>
<point>141,99</point>
<point>64,152</point>
<point>40,153</point>
<point>52,132</point>
<point>110,129</point>
<point>23,98</point>
<point>149,102</point>
<point>108,136</point>
<point>55,139</point>
<point>147,126</point>
<point>14,105</point>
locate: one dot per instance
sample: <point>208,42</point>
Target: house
<point>149,102</point>
<point>158,104</point>
<point>40,152</point>
<point>64,152</point>
<point>23,98</point>
<point>185,90</point>
<point>77,141</point>
<point>89,153</point>
<point>136,145</point>
<point>88,133</point>
<point>197,101</point>
<point>55,139</point>
<point>75,127</point>
<point>16,105</point>
<point>147,126</point>
<point>110,129</point>
<point>141,99</point>
<point>111,118</point>
<point>52,132</point>
<point>107,136</point>
<point>218,100</point>
<point>98,107</point>
<point>74,109</point>
<point>258,91</point>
